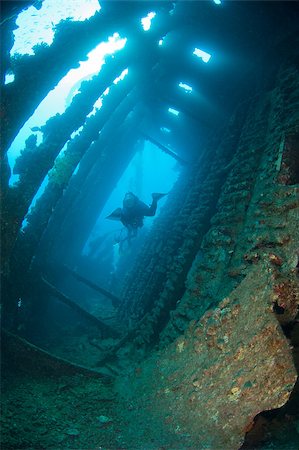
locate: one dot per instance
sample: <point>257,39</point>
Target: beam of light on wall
<point>38,26</point>
<point>54,102</point>
<point>77,168</point>
<point>186,87</point>
<point>217,2</point>
<point>173,111</point>
<point>147,21</point>
<point>201,54</point>
<point>165,130</point>
<point>9,78</point>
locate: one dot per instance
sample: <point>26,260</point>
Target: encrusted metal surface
<point>206,388</point>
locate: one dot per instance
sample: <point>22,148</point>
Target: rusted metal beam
<point>19,352</point>
<point>107,329</point>
<point>115,300</point>
<point>165,149</point>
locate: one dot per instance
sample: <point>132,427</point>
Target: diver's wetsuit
<point>132,218</point>
<point>133,212</point>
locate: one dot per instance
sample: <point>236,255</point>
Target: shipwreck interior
<point>188,336</point>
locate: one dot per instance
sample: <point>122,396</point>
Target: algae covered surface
<point>204,391</point>
<point>206,388</point>
<point>48,413</point>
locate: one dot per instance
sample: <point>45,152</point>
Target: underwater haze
<point>149,238</point>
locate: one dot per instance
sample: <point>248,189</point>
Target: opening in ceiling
<point>37,26</point>
<point>55,102</point>
<point>98,104</point>
<point>188,89</point>
<point>9,77</point>
<point>173,111</point>
<point>147,21</point>
<point>201,54</point>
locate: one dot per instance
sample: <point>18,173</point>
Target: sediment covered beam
<point>115,300</point>
<point>20,353</point>
<point>165,149</point>
<point>106,329</point>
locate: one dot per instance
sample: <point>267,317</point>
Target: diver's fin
<point>157,196</point>
<point>115,215</point>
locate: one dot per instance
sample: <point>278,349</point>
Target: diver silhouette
<point>133,212</point>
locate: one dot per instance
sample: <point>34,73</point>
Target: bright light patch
<point>171,12</point>
<point>161,41</point>
<point>77,168</point>
<point>14,179</point>
<point>217,2</point>
<point>121,77</point>
<point>146,21</point>
<point>9,78</point>
<point>93,64</point>
<point>173,111</point>
<point>99,103</point>
<point>38,26</point>
<point>75,133</point>
<point>166,130</point>
<point>201,54</point>
<point>186,87</point>
<point>54,102</point>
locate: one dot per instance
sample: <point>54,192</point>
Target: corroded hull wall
<point>205,389</point>
<point>236,207</point>
<point>222,357</point>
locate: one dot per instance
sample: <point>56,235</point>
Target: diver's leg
<point>153,208</point>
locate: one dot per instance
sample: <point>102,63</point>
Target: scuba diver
<point>133,212</point>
